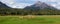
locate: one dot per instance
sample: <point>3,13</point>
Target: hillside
<point>4,9</point>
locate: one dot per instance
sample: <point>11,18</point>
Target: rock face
<point>39,6</point>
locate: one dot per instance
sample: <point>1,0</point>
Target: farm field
<point>30,19</point>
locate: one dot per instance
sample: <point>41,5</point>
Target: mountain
<point>40,6</point>
<point>2,5</point>
<point>4,8</point>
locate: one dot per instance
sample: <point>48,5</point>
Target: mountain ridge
<point>40,5</point>
<point>2,5</point>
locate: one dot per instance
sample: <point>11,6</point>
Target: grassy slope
<point>45,19</point>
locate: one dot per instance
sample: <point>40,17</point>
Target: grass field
<point>43,19</point>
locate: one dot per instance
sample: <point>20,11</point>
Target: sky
<point>24,3</point>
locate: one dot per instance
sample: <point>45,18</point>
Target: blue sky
<point>24,3</point>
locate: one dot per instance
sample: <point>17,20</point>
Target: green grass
<point>37,20</point>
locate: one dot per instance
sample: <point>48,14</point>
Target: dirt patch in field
<point>27,17</point>
<point>34,16</point>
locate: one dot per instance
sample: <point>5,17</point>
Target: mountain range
<point>38,8</point>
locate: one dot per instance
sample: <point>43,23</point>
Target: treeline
<point>12,11</point>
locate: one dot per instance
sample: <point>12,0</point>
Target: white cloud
<point>52,0</point>
<point>53,5</point>
<point>20,5</point>
<point>13,4</point>
<point>7,1</point>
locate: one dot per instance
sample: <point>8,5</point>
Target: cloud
<point>14,4</point>
<point>52,0</point>
<point>7,1</point>
<point>53,5</point>
<point>20,5</point>
<point>23,3</point>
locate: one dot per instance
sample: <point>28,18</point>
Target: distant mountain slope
<point>2,5</point>
<point>39,6</point>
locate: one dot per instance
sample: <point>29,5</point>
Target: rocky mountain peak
<point>39,5</point>
<point>38,2</point>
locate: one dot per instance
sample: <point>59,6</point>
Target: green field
<point>45,19</point>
